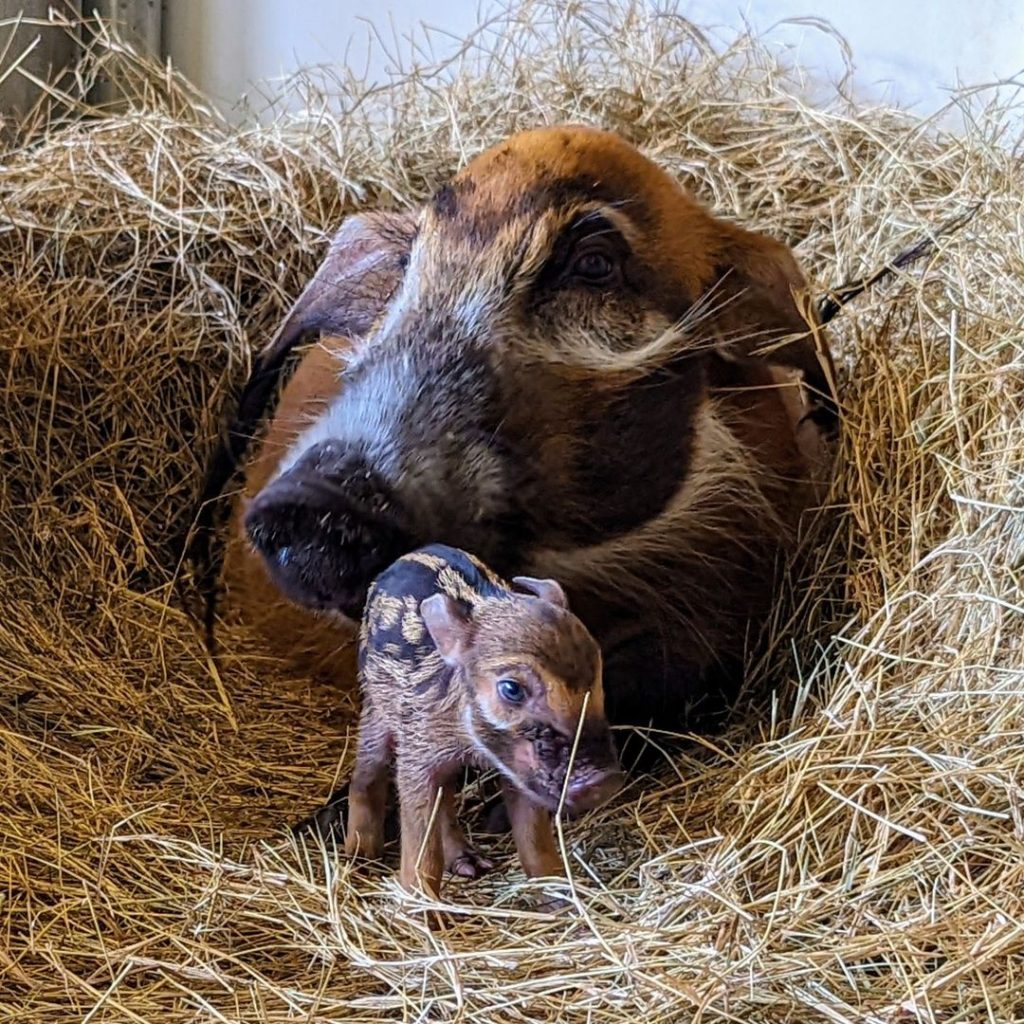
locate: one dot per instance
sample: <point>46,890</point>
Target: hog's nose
<point>325,528</point>
<point>591,791</point>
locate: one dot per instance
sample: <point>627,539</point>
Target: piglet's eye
<point>510,690</point>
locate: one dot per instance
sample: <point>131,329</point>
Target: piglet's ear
<point>547,590</point>
<point>447,622</point>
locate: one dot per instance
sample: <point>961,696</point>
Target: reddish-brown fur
<point>689,255</point>
<point>317,644</point>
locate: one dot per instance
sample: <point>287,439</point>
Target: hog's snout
<point>592,786</point>
<point>596,774</point>
<point>325,528</point>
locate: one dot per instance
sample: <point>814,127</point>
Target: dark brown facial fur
<point>560,370</point>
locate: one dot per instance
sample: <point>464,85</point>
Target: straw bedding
<point>850,849</point>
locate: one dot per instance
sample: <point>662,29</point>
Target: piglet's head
<point>531,671</point>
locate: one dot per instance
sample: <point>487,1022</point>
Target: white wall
<point>229,47</point>
<point>909,51</point>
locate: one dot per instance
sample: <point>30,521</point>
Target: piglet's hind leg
<point>368,790</point>
<point>460,858</point>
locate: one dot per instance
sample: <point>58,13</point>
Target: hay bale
<point>852,849</point>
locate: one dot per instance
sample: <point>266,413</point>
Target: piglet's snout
<point>325,528</point>
<point>597,775</point>
<point>593,790</point>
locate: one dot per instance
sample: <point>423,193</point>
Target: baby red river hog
<point>459,667</point>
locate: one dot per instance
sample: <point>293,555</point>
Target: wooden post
<point>139,23</point>
<point>53,49</point>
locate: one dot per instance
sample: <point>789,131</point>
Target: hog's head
<point>532,367</point>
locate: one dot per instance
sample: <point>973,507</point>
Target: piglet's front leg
<point>535,842</point>
<point>422,846</point>
<point>533,833</point>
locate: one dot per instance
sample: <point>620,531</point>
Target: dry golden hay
<point>852,849</point>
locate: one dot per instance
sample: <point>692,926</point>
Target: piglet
<point>458,667</point>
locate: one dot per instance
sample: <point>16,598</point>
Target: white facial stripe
<point>362,415</point>
<point>495,723</point>
<point>622,221</point>
<point>480,747</point>
<point>472,313</point>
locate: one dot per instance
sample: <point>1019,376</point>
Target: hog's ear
<point>547,590</point>
<point>757,304</point>
<point>363,266</point>
<point>448,624</point>
<point>361,270</point>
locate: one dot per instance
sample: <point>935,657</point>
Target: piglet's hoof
<point>469,864</point>
<point>325,821</point>
<point>330,819</point>
<point>438,920</point>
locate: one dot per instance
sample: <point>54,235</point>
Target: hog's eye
<point>593,267</point>
<point>597,260</point>
<point>510,690</point>
<point>591,253</point>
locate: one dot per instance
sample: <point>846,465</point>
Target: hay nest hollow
<point>852,849</point>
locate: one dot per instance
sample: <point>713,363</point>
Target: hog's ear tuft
<point>759,313</point>
<point>363,265</point>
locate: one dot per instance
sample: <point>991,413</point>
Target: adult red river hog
<point>566,365</point>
